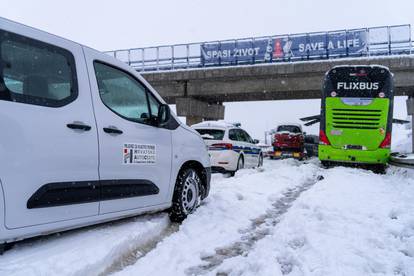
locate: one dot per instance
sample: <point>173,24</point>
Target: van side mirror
<point>255,141</point>
<point>164,115</point>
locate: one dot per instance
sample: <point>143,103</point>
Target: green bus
<point>356,116</point>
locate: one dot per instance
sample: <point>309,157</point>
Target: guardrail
<point>376,41</point>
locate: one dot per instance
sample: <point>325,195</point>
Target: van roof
<point>18,24</point>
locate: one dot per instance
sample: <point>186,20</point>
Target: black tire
<point>240,165</point>
<point>326,164</point>
<point>260,161</point>
<point>186,196</point>
<point>380,169</point>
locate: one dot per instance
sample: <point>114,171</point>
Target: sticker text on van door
<point>139,153</point>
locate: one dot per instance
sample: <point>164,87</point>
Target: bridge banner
<point>342,43</point>
<point>234,51</point>
<point>319,45</point>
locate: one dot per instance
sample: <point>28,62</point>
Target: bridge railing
<point>385,40</point>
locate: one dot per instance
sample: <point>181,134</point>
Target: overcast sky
<point>109,25</point>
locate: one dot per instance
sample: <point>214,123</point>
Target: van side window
<point>34,72</point>
<point>122,94</point>
<point>154,105</point>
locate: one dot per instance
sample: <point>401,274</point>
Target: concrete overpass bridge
<point>199,78</point>
<point>199,94</point>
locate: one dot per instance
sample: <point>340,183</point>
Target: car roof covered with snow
<point>289,124</point>
<point>216,124</point>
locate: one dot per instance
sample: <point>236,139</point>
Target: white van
<point>85,139</point>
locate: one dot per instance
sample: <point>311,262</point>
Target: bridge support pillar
<point>197,111</point>
<point>410,111</point>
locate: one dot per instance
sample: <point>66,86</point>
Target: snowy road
<point>290,218</point>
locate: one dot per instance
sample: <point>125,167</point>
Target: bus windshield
<point>358,82</point>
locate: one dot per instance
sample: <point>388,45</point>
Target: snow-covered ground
<point>401,138</point>
<point>352,222</point>
<point>234,205</point>
<point>289,218</point>
<point>231,206</point>
<point>89,251</point>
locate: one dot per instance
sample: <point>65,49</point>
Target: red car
<point>288,141</point>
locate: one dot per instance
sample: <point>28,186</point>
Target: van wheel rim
<point>190,192</point>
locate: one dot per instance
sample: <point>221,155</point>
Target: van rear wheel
<point>186,196</point>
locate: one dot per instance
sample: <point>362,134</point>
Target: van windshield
<point>211,134</point>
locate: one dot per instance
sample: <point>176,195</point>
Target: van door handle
<point>112,130</point>
<point>79,125</point>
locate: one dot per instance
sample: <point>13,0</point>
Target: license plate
<point>354,147</point>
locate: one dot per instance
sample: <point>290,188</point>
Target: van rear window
<point>34,72</point>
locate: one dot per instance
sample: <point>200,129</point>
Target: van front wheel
<point>186,196</point>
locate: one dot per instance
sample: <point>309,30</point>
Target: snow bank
<point>351,223</point>
<point>401,139</point>
<point>87,251</point>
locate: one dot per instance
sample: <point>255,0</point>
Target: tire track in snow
<point>131,256</point>
<point>260,228</point>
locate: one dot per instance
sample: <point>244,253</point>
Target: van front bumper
<point>329,153</point>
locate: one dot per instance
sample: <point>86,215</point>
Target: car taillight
<point>386,143</point>
<point>323,139</point>
<point>222,146</point>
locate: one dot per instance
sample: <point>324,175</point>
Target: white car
<point>230,147</point>
<point>86,139</point>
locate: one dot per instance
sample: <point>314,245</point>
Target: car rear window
<point>211,134</point>
<point>292,129</point>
